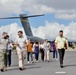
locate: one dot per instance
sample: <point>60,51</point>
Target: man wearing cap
<point>3,51</point>
<point>60,46</point>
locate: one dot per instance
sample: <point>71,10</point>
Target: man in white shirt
<point>60,46</point>
<point>20,47</point>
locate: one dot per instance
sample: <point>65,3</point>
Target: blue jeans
<point>29,54</point>
<point>36,55</point>
<point>55,54</point>
<point>9,57</point>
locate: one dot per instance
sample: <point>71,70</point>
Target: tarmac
<point>45,68</point>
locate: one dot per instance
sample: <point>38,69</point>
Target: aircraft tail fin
<point>26,25</point>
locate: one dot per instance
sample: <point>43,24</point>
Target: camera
<point>6,37</point>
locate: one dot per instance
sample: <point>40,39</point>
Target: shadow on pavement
<point>33,67</point>
<point>70,65</point>
<point>25,64</point>
<point>13,69</point>
<point>16,68</point>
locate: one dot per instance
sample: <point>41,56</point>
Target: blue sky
<point>59,14</point>
<point>35,21</point>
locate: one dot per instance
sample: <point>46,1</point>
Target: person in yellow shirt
<point>29,50</point>
<point>60,46</point>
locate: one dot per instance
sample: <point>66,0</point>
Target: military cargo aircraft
<point>26,26</point>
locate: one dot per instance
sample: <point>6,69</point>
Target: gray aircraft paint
<point>26,25</point>
<point>27,28</point>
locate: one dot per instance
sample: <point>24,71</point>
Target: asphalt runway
<point>45,68</point>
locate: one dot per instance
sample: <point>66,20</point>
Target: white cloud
<point>66,16</point>
<point>63,9</point>
<point>11,29</point>
<point>38,9</point>
<point>49,30</point>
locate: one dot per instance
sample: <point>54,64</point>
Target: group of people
<point>32,50</point>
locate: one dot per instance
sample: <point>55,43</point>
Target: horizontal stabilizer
<point>23,16</point>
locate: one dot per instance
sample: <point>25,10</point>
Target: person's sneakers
<point>21,69</point>
<point>2,70</point>
<point>9,65</point>
<point>57,59</point>
<point>36,60</point>
<point>32,62</point>
<point>28,62</point>
<point>61,66</point>
<point>48,60</point>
